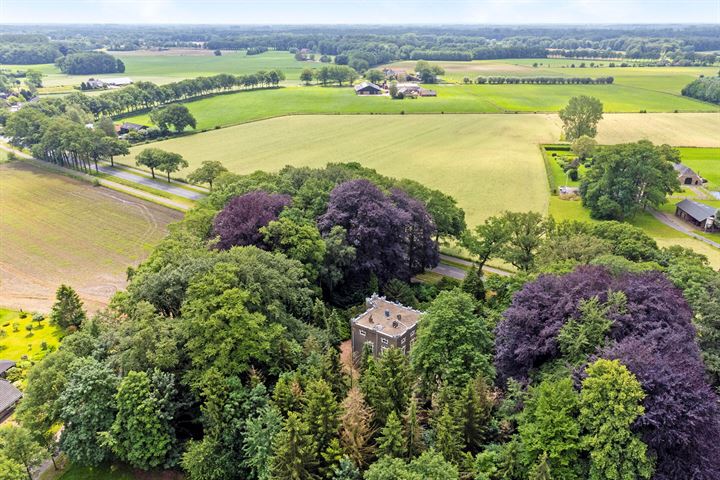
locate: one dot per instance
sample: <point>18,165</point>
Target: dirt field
<point>55,230</point>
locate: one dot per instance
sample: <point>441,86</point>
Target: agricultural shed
<point>9,397</point>
<point>368,88</point>
<point>697,213</point>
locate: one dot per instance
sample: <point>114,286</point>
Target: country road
<point>149,182</point>
<point>449,270</point>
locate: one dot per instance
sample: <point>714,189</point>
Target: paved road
<point>149,182</point>
<point>459,273</point>
<point>104,182</point>
<point>671,222</point>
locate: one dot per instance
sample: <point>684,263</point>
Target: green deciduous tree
<point>627,178</point>
<point>171,162</point>
<point>526,231</point>
<point>175,115</point>
<point>150,158</point>
<point>141,434</point>
<point>208,171</point>
<point>610,402</point>
<point>584,147</point>
<point>18,446</point>
<point>549,426</point>
<point>486,240</point>
<point>87,408</point>
<point>298,240</point>
<point>68,308</point>
<point>581,116</point>
<point>453,344</point>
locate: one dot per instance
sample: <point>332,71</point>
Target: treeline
<point>328,74</point>
<point>706,89</point>
<point>256,50</point>
<point>545,80</point>
<point>28,53</point>
<point>84,63</point>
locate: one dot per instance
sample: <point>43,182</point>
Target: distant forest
<point>362,47</point>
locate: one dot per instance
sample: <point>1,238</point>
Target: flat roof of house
<point>698,211</point>
<point>390,318</point>
<point>9,395</point>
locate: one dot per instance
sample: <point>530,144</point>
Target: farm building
<point>94,84</point>
<point>400,75</point>
<point>699,214</point>
<point>413,89</point>
<point>115,81</point>
<point>383,325</point>
<point>368,88</point>
<point>687,175</point>
<point>9,397</point>
<point>5,365</point>
<point>128,127</point>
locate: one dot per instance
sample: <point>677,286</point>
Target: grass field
<point>58,230</point>
<point>177,64</point>
<point>705,162</point>
<point>241,107</point>
<point>15,344</point>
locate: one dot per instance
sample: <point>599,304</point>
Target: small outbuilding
<point>128,127</point>
<point>115,81</point>
<point>687,175</point>
<point>699,214</point>
<point>9,397</point>
<point>383,325</point>
<point>5,365</point>
<point>368,88</point>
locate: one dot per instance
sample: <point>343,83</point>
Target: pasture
<point>176,64</point>
<point>57,230</point>
<point>16,340</point>
<point>705,162</point>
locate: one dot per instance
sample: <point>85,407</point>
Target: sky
<point>360,11</point>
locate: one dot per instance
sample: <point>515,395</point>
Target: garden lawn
<point>35,343</point>
<point>55,230</point>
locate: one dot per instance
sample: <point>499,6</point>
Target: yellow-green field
<point>58,230</point>
<point>489,163</point>
<point>17,340</point>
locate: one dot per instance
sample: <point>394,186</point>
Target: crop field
<point>177,64</point>
<point>58,230</point>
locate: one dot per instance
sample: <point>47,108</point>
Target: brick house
<point>383,325</point>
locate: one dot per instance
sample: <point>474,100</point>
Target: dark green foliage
<point>390,441</point>
<point>627,178</point>
<point>18,447</point>
<point>321,414</point>
<point>83,63</point>
<point>68,308</point>
<point>87,408</point>
<point>429,465</point>
<point>549,428</point>
<point>706,89</point>
<point>294,451</point>
<point>473,284</point>
<point>448,435</point>
<point>174,115</point>
<point>386,384</point>
<point>259,435</point>
<point>581,116</point>
<point>453,344</point>
<point>207,172</point>
<point>475,411</point>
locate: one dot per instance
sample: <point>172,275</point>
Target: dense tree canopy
<point>240,221</point>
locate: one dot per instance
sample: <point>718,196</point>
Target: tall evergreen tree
<point>541,469</point>
<point>391,441</point>
<point>413,431</point>
<point>321,414</point>
<point>448,437</point>
<point>610,402</point>
<point>475,406</point>
<point>473,284</point>
<point>68,308</point>
<point>387,385</point>
<point>294,452</point>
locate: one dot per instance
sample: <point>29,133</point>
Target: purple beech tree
<point>390,241</point>
<point>243,216</point>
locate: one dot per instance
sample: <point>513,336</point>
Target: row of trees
<point>545,80</point>
<point>83,63</point>
<point>706,89</point>
<point>328,74</point>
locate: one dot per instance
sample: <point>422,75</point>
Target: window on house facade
<point>385,341</point>
<point>363,332</point>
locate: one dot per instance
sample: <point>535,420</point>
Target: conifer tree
<point>346,470</point>
<point>288,393</point>
<point>473,284</point>
<point>413,431</point>
<point>541,469</point>
<point>331,458</point>
<point>387,385</point>
<point>475,412</point>
<point>321,414</point>
<point>391,441</point>
<point>68,308</point>
<point>294,451</point>
<point>356,430</point>
<point>448,437</point>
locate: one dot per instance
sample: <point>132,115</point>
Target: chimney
<point>371,319</point>
<point>387,313</point>
<point>395,324</point>
<point>399,317</point>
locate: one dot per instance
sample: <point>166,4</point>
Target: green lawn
<point>705,162</point>
<point>15,344</point>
